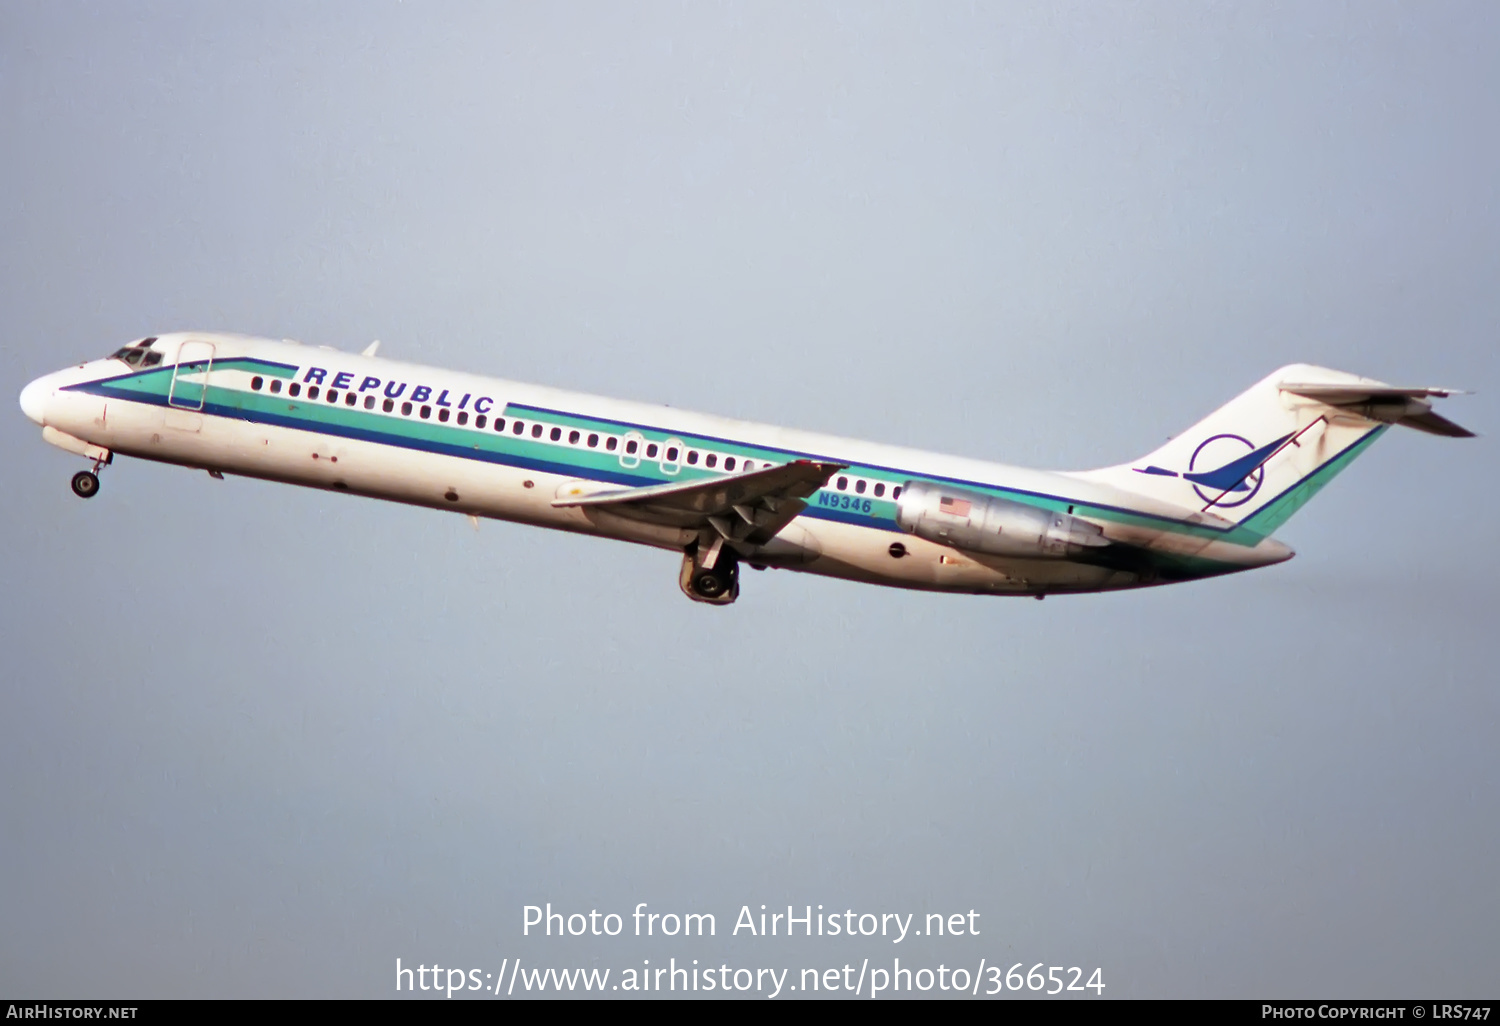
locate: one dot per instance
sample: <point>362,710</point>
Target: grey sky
<point>262,741</point>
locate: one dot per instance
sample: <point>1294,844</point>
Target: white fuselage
<point>429,437</point>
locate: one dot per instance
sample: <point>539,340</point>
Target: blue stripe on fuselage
<point>103,387</point>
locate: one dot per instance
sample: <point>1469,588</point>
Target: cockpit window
<point>138,354</point>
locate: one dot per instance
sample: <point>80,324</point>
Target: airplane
<point>722,493</point>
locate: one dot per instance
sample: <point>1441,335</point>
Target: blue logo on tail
<point>1243,472</point>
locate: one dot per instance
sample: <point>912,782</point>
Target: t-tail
<point>1257,460</point>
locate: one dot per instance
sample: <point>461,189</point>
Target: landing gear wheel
<point>85,484</point>
<point>718,586</point>
<point>709,584</point>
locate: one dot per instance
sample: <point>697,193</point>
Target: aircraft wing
<point>740,507</point>
<point>1389,403</point>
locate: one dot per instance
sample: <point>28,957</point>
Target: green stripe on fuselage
<point>599,464</point>
<point>1265,521</point>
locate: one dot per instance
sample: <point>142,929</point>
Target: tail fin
<point>1258,459</point>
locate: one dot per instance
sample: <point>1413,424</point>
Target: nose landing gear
<point>85,484</point>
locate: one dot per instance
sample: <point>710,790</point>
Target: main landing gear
<point>85,484</point>
<point>710,572</point>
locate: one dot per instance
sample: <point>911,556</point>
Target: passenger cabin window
<point>879,490</point>
<point>369,402</point>
<point>480,421</point>
<point>293,389</point>
<point>634,443</point>
<point>426,412</point>
<point>859,488</point>
<point>463,418</point>
<point>536,431</point>
<point>332,396</point>
<point>896,492</point>
<point>350,399</point>
<point>275,385</point>
<point>611,442</point>
<point>406,409</point>
<point>573,437</point>
<point>728,462</point>
<point>593,441</point>
<point>651,451</point>
<point>843,484</point>
<point>442,414</point>
<point>710,461</point>
<point>312,391</point>
<point>388,405</point>
<point>671,456</point>
<point>255,383</point>
<point>518,428</point>
<point>555,434</point>
<point>692,457</point>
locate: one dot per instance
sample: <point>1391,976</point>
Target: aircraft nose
<point>34,398</point>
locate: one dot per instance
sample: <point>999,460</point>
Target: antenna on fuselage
<point>370,349</point>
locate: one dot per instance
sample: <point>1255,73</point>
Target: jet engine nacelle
<point>997,527</point>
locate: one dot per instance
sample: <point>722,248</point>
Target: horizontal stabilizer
<point>1435,424</point>
<point>1360,392</point>
<point>1389,404</point>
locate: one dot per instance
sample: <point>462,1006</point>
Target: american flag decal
<point>954,507</point>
